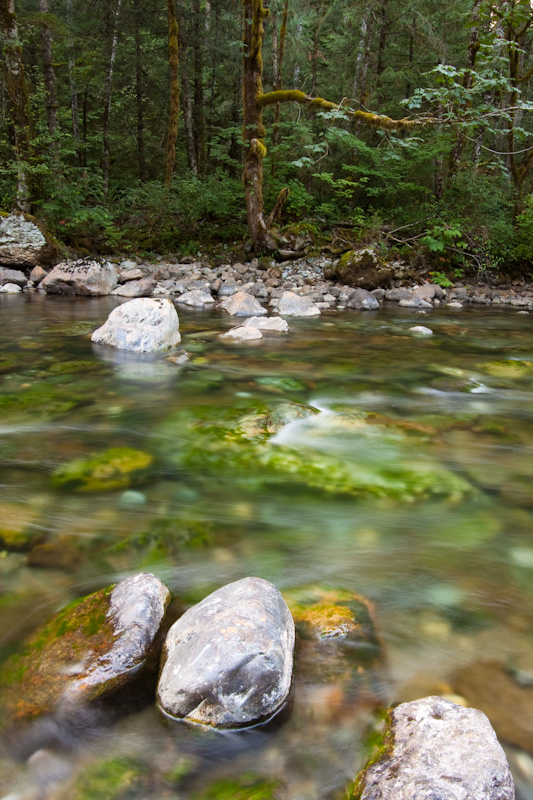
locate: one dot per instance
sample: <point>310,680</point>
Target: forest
<point>142,127</point>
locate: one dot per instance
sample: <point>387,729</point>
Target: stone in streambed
<point>241,334</point>
<point>10,276</point>
<point>196,298</point>
<point>117,468</point>
<point>434,749</point>
<point>139,288</point>
<point>144,325</point>
<point>362,300</point>
<point>227,662</point>
<point>10,288</point>
<point>91,648</point>
<point>276,324</point>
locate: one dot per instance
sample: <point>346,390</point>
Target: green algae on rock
<point>117,468</point>
<point>18,528</point>
<point>91,648</point>
<point>248,787</point>
<point>116,778</point>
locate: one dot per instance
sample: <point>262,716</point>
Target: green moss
<point>18,529</point>
<point>510,368</point>
<point>36,677</point>
<point>111,779</point>
<point>379,744</point>
<point>117,468</point>
<point>247,788</point>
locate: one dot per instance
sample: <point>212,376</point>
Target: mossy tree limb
<point>255,100</point>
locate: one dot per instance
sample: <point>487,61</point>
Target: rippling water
<point>437,432</point>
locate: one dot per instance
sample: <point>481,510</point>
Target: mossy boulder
<point>24,243</point>
<point>337,638</point>
<point>117,468</point>
<point>93,647</point>
<point>364,269</point>
<point>336,454</point>
<point>116,778</point>
<point>508,368</point>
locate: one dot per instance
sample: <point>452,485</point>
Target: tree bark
<point>48,69</point>
<point>72,85</point>
<point>186,90</point>
<point>17,95</point>
<point>107,95</point>
<point>173,60</point>
<point>198,88</point>
<point>139,94</point>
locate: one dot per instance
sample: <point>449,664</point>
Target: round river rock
<point>227,662</point>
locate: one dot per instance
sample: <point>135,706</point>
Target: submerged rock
<point>276,324</point>
<point>421,330</point>
<point>23,243</point>
<point>242,304</point>
<point>84,277</point>
<point>91,648</point>
<point>117,468</point>
<point>242,334</point>
<point>227,662</point>
<point>144,325</point>
<point>434,748</point>
<point>509,706</point>
<point>291,304</point>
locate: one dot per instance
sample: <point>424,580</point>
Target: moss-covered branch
<point>377,121</point>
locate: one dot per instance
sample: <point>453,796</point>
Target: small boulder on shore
<point>227,662</point>
<point>83,277</point>
<point>12,276</point>
<point>144,325</point>
<point>291,304</point>
<point>93,647</point>
<point>434,748</point>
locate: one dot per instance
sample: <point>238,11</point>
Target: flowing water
<point>411,485</point>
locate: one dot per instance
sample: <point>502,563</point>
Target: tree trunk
<point>278,80</point>
<point>214,62</point>
<point>253,130</point>
<point>72,85</point>
<point>107,95</point>
<point>17,95</point>
<point>139,94</point>
<point>473,47</point>
<point>186,90</point>
<point>48,69</point>
<point>173,60</point>
<point>363,56</point>
<point>383,31</point>
<point>198,86</point>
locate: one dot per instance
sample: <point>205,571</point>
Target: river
<point>412,486</point>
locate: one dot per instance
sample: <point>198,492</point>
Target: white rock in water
<point>422,330</point>
<point>227,662</point>
<point>242,304</point>
<point>144,325</point>
<point>267,324</point>
<point>291,304</point>
<point>10,288</point>
<point>139,288</point>
<point>454,304</point>
<point>439,751</point>
<point>241,334</point>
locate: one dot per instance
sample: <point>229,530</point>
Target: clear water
<point>450,574</point>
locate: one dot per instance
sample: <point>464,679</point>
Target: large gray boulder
<point>362,300</point>
<point>23,244</point>
<point>242,304</point>
<point>291,304</point>
<point>91,648</point>
<point>437,750</point>
<point>85,277</point>
<point>227,662</point>
<point>144,325</point>
<point>12,276</point>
